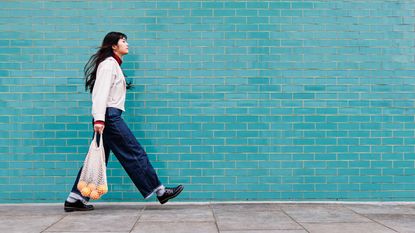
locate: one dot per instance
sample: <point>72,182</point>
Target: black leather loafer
<point>77,206</point>
<point>170,193</point>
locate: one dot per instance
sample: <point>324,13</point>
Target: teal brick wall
<point>237,100</point>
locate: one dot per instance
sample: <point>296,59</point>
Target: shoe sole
<point>71,209</point>
<point>175,195</point>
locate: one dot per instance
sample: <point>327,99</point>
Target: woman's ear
<point>114,47</point>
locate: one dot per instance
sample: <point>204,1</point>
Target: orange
<point>85,191</point>
<point>94,195</point>
<point>81,185</point>
<point>92,186</point>
<point>102,189</point>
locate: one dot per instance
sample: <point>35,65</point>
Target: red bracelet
<point>99,122</point>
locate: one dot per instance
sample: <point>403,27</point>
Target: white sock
<point>73,197</point>
<point>160,191</point>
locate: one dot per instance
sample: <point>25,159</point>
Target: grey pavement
<point>223,217</point>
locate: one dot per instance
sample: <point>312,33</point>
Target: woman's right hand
<point>99,128</point>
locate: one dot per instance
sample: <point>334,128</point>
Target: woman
<point>106,82</point>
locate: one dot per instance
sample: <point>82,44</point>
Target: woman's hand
<point>99,128</point>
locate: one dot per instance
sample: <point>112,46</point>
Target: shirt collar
<point>117,58</point>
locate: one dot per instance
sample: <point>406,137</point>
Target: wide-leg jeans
<point>120,140</point>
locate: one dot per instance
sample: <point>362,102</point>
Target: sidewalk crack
<point>214,217</point>
<point>369,218</point>
<point>282,210</point>
<point>138,219</point>
<point>54,223</point>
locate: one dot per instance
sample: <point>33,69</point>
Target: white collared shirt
<point>109,89</point>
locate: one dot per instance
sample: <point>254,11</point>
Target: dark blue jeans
<point>120,140</point>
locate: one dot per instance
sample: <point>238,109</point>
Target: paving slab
<point>255,220</point>
<point>252,217</point>
<point>27,224</point>
<point>116,208</point>
<point>399,222</point>
<point>31,210</point>
<point>382,209</point>
<point>177,213</point>
<point>323,213</point>
<point>266,231</point>
<point>175,227</point>
<point>93,223</point>
<point>346,228</point>
<point>245,207</point>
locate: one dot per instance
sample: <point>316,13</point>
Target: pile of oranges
<point>91,190</point>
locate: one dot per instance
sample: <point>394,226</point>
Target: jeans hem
<point>154,191</point>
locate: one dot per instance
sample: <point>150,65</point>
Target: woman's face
<point>121,48</point>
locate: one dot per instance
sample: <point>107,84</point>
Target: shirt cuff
<point>98,117</point>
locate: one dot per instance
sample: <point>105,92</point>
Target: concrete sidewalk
<point>220,217</point>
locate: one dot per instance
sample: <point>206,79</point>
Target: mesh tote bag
<point>93,180</point>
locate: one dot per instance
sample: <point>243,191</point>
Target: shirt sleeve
<point>100,93</point>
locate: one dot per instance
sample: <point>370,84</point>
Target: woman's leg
<point>131,155</point>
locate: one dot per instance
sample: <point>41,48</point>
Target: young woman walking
<point>106,82</point>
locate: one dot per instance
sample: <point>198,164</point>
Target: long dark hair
<point>91,67</point>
